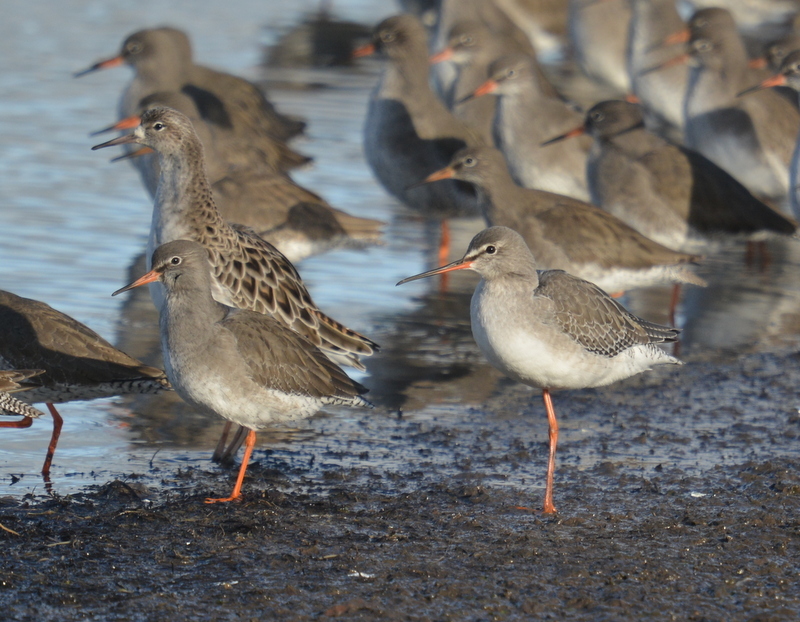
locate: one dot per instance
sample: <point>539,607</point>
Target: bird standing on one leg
<point>551,330</point>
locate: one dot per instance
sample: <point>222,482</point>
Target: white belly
<point>539,354</point>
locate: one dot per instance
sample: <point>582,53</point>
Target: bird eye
<point>700,22</point>
<point>470,161</point>
<point>387,37</point>
<point>702,45</point>
<point>491,250</point>
<point>597,116</point>
<point>158,126</point>
<point>175,261</point>
<point>466,39</point>
<point>134,47</point>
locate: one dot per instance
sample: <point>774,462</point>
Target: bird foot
<point>225,500</point>
<point>523,508</point>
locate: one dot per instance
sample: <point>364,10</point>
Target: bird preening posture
<point>245,366</point>
<point>549,329</point>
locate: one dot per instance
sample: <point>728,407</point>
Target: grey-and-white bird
<point>549,329</point>
<point>247,367</point>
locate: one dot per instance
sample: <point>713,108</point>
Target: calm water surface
<point>73,223</point>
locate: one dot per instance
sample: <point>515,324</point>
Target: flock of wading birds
<point>241,336</point>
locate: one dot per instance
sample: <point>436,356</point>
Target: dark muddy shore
<point>434,520</point>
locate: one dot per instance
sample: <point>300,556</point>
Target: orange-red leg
<point>444,252</point>
<point>25,422</point>
<point>51,449</point>
<point>444,243</point>
<point>237,489</point>
<point>549,508</point>
<point>764,254</point>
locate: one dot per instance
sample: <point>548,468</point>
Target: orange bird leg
<point>549,508</point>
<point>25,422</point>
<point>220,448</point>
<point>444,251</point>
<point>57,423</point>
<point>237,489</point>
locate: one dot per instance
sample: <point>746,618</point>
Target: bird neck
<point>635,142</point>
<point>714,87</point>
<point>651,22</point>
<point>184,202</point>
<point>498,194</point>
<point>188,313</point>
<point>406,78</point>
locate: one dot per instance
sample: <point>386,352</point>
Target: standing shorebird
<point>79,364</point>
<point>669,193</point>
<point>527,115</point>
<point>247,367</point>
<point>249,191</point>
<point>247,272</point>
<point>567,234</point>
<point>162,60</point>
<point>408,131</point>
<point>551,330</point>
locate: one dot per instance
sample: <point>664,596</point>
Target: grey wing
<point>281,359</point>
<point>594,319</point>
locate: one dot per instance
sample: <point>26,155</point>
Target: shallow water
<point>74,223</point>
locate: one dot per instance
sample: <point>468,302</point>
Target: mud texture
<point>678,497</point>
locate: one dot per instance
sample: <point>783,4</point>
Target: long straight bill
<point>460,264</point>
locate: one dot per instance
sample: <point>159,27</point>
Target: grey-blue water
<point>72,223</point>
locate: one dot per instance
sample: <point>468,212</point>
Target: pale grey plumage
<point>526,116</point>
<point>660,92</point>
<point>551,330</point>
<point>751,137</point>
<point>568,234</point>
<point>247,367</point>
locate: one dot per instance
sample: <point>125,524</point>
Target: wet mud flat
<point>678,497</point>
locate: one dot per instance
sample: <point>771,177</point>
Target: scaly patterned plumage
<point>245,366</point>
<point>12,381</point>
<point>248,272</point>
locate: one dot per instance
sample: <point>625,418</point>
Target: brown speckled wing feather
<point>283,360</point>
<point>261,279</point>
<point>594,319</point>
